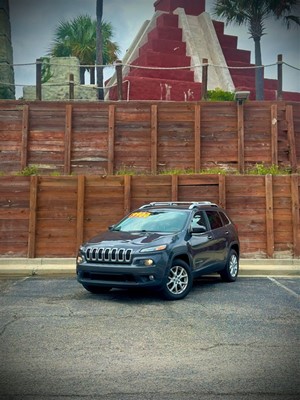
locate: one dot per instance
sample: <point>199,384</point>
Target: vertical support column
<point>32,216</point>
<point>295,213</point>
<point>174,187</point>
<point>111,140</point>
<point>269,215</point>
<point>204,79</point>
<point>197,132</point>
<point>241,137</point>
<point>127,194</point>
<point>25,131</point>
<point>80,210</point>
<point>68,139</point>
<point>222,190</point>
<point>274,134</point>
<point>38,83</point>
<point>291,137</point>
<point>154,139</point>
<point>119,75</point>
<point>279,77</point>
<point>71,86</point>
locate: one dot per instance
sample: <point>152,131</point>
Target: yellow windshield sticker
<point>140,214</point>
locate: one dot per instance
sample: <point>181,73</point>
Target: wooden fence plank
<point>291,138</point>
<point>197,129</point>
<point>153,150</point>
<point>80,209</point>
<point>274,134</point>
<point>295,213</point>
<point>111,139</point>
<point>32,216</point>
<point>127,194</point>
<point>25,132</point>
<point>269,215</point>
<point>222,190</point>
<point>68,139</point>
<point>241,139</point>
<point>174,187</point>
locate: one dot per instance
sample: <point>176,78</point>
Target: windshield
<point>153,221</point>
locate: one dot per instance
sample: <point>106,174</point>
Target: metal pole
<point>204,79</point>
<point>279,77</point>
<point>39,63</point>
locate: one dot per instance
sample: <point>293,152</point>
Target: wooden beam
<point>269,215</point>
<point>241,139</point>
<point>127,194</point>
<point>111,140</point>
<point>222,191</point>
<point>25,133</point>
<point>32,216</point>
<point>274,134</point>
<point>295,182</point>
<point>68,139</point>
<point>197,132</point>
<point>291,137</point>
<point>174,187</point>
<point>80,209</point>
<point>154,139</point>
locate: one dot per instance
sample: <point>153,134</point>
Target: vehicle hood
<point>124,239</point>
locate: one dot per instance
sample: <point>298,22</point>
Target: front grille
<point>108,255</point>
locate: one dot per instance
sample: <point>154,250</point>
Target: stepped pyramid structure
<point>164,61</point>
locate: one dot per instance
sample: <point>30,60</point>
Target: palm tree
<point>253,13</point>
<point>77,38</point>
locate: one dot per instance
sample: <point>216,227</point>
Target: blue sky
<point>33,23</point>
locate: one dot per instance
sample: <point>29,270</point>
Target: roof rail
<point>191,204</point>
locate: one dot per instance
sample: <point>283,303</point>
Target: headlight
<point>154,248</point>
<point>79,259</point>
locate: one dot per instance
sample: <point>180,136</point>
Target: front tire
<point>231,270</point>
<point>178,281</point>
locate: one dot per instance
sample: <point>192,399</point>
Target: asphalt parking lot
<point>224,341</point>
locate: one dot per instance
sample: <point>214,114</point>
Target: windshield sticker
<point>140,215</point>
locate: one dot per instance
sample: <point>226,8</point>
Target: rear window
<point>214,219</point>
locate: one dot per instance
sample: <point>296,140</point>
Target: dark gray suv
<point>163,246</point>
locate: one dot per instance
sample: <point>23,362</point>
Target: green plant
<point>219,95</point>
<point>177,171</point>
<point>262,169</point>
<point>29,170</point>
<point>46,69</point>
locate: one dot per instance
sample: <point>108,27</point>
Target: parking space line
<point>284,287</point>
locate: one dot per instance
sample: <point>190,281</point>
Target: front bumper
<point>122,276</point>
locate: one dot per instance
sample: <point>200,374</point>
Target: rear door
<point>220,237</point>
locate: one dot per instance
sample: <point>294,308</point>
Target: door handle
<point>209,237</point>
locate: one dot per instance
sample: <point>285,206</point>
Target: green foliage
<point>46,69</point>
<point>219,95</point>
<point>29,170</point>
<point>177,171</point>
<point>6,93</point>
<point>262,169</point>
<point>77,38</point>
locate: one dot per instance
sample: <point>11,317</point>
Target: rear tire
<point>178,281</point>
<point>96,289</point>
<point>231,270</point>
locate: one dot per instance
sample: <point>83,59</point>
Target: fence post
<point>71,86</point>
<point>279,77</point>
<point>204,79</point>
<point>38,86</point>
<point>118,65</point>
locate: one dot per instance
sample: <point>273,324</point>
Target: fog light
<point>79,259</point>
<point>148,262</point>
<point>151,277</point>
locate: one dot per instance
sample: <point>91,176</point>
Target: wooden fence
<point>147,137</point>
<point>46,216</point>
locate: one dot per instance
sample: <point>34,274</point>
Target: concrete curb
<point>66,266</point>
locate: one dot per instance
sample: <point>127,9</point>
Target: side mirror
<point>199,229</point>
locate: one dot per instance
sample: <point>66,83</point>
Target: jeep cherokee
<point>162,245</point>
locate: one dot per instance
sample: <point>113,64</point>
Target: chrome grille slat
<point>108,255</point>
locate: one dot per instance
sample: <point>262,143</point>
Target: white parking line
<point>284,287</point>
